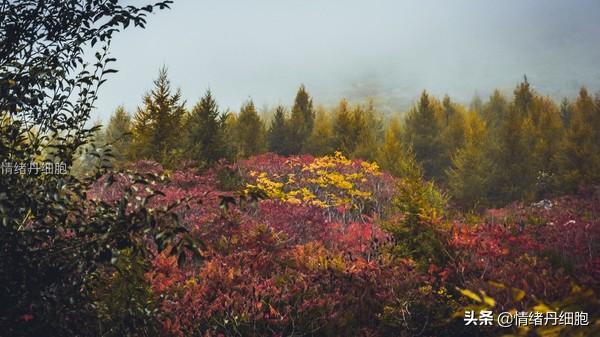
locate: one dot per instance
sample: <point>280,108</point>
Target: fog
<point>387,49</point>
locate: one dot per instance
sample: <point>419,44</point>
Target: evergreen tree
<point>566,110</point>
<point>250,132</point>
<point>523,99</point>
<point>278,133</point>
<point>321,140</point>
<point>368,126</point>
<point>118,135</point>
<point>423,129</point>
<point>205,134</point>
<point>476,104</point>
<point>449,110</point>
<point>470,176</point>
<point>595,119</point>
<point>301,121</point>
<point>157,124</point>
<point>394,157</point>
<point>514,156</point>
<point>580,157</point>
<point>495,110</point>
<point>548,139</point>
<point>344,129</point>
<point>453,132</point>
<point>230,139</point>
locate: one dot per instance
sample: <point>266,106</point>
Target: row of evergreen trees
<point>491,153</point>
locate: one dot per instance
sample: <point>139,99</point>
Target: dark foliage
<point>55,241</point>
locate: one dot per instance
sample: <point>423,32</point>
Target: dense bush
<point>285,265</point>
<point>60,251</point>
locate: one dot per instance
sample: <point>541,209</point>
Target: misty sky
<point>390,49</point>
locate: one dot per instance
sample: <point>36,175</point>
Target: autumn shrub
<point>287,265</point>
<point>418,229</point>
<point>281,267</point>
<point>269,286</point>
<point>542,258</point>
<point>345,189</point>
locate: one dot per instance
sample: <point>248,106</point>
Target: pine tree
<point>595,120</point>
<point>230,139</point>
<point>476,104</point>
<point>368,126</point>
<point>118,135</point>
<point>423,129</point>
<point>250,132</point>
<point>548,139</point>
<point>278,133</point>
<point>580,157</point>
<point>449,110</point>
<point>470,177</point>
<point>517,171</point>
<point>523,98</point>
<point>452,137</point>
<point>301,121</point>
<point>566,109</point>
<point>343,129</point>
<point>394,157</point>
<point>495,110</point>
<point>321,140</point>
<point>157,124</point>
<point>205,134</point>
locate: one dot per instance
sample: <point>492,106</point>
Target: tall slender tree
<point>495,110</point>
<point>548,139</point>
<point>205,131</point>
<point>394,156</point>
<point>470,176</point>
<point>321,140</point>
<point>566,109</point>
<point>452,136</point>
<point>369,132</point>
<point>580,157</point>
<point>423,129</point>
<point>157,123</point>
<point>516,138</point>
<point>278,134</point>
<point>118,134</point>
<point>476,104</point>
<point>344,139</point>
<point>301,120</point>
<point>250,131</point>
